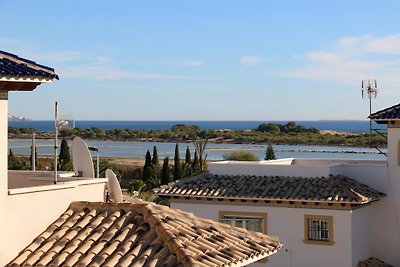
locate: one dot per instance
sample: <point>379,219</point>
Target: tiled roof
<point>373,262</point>
<point>333,189</point>
<point>391,113</point>
<point>13,66</point>
<point>142,234</point>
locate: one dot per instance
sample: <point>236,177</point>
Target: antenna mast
<point>369,89</point>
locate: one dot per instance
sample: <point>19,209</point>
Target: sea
<point>133,149</point>
<point>356,126</point>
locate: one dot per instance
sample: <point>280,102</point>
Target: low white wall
<point>20,179</point>
<point>260,169</point>
<point>373,175</point>
<point>288,225</point>
<point>26,213</point>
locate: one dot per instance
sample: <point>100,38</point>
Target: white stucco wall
<point>261,169</point>
<point>373,175</point>
<point>386,215</point>
<point>381,218</point>
<point>3,145</point>
<point>27,212</point>
<point>288,225</point>
<point>361,246</point>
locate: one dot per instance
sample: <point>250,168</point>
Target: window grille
<point>318,229</point>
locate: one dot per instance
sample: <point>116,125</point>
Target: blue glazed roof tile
<point>384,115</point>
<point>14,66</point>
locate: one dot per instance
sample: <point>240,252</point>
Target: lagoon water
<point>214,151</point>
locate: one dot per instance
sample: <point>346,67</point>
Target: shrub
<point>241,156</point>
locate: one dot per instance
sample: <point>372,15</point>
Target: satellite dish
<point>114,189</point>
<point>81,158</point>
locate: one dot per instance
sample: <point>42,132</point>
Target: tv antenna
<point>369,90</point>
<point>60,122</point>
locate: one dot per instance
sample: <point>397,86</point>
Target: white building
<point>40,219</point>
<point>29,203</point>
<point>325,212</point>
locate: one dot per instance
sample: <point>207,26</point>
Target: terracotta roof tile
<point>373,262</point>
<point>333,189</point>
<point>141,234</point>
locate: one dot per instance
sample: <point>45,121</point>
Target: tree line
<point>270,133</point>
<point>153,175</point>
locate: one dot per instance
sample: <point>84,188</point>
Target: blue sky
<point>205,60</point>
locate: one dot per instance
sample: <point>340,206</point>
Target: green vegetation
<point>64,159</point>
<point>166,172</point>
<point>177,164</point>
<point>241,156</point>
<point>290,127</point>
<point>147,168</point>
<point>17,163</point>
<point>152,176</point>
<point>188,157</point>
<point>200,146</point>
<point>270,153</point>
<point>271,133</point>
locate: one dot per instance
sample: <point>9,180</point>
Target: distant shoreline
<point>355,126</point>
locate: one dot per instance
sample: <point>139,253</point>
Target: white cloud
<point>101,72</point>
<point>189,63</point>
<point>78,64</point>
<point>385,45</point>
<point>251,61</point>
<point>351,59</point>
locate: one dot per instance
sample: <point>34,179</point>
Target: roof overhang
<point>20,74</point>
<point>25,79</point>
<point>27,85</point>
<point>386,121</point>
<point>290,203</point>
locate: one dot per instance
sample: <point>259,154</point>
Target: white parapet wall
<point>264,168</point>
<point>3,142</point>
<point>361,170</point>
<point>26,212</point>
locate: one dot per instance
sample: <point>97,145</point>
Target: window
<point>318,229</point>
<point>251,221</point>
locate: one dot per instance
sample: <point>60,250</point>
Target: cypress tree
<point>154,161</point>
<point>270,153</point>
<point>188,157</point>
<point>187,169</point>
<point>165,174</point>
<point>156,166</point>
<point>195,162</point>
<point>64,157</point>
<point>177,164</point>
<point>147,168</point>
